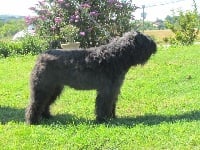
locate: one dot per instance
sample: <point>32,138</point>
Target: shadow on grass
<point>8,114</point>
<point>65,119</point>
<point>151,119</point>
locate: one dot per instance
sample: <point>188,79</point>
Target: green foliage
<point>96,21</point>
<point>33,45</point>
<point>27,45</point>
<point>184,26</point>
<point>166,39</point>
<point>8,29</point>
<point>158,108</point>
<point>69,33</point>
<point>1,23</point>
<point>138,25</point>
<point>8,48</point>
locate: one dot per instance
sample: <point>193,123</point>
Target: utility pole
<point>143,17</point>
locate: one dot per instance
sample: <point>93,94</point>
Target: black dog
<point>102,68</point>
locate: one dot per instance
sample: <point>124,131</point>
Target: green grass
<point>158,108</point>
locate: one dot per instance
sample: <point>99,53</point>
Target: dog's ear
<point>142,39</point>
<point>139,38</point>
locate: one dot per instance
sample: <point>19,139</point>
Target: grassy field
<point>160,35</point>
<point>158,108</point>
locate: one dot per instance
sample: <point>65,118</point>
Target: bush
<point>185,27</point>
<point>4,49</point>
<point>8,48</point>
<point>27,45</point>
<point>97,21</point>
<point>166,39</point>
<point>32,45</point>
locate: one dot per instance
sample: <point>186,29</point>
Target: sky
<point>159,9</point>
<point>155,9</point>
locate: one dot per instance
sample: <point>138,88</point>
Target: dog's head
<point>145,42</point>
<point>142,47</point>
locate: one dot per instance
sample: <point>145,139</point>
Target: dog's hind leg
<point>55,93</point>
<point>37,104</point>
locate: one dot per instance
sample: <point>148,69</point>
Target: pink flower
<point>94,13</point>
<point>60,1</point>
<point>82,33</point>
<point>111,1</point>
<point>76,20</point>
<point>76,13</point>
<point>71,20</point>
<point>58,20</point>
<point>53,28</point>
<point>28,19</point>
<point>43,18</point>
<point>75,17</point>
<point>67,4</point>
<point>85,5</point>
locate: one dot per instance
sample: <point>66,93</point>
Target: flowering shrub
<point>95,21</point>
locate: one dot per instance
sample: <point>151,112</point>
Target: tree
<point>96,21</point>
<point>138,25</point>
<point>184,26</point>
<point>160,24</point>
<point>1,23</point>
<point>9,28</point>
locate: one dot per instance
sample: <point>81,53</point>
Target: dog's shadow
<point>151,119</point>
<point>8,114</point>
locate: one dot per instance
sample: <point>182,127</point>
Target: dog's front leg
<point>106,103</point>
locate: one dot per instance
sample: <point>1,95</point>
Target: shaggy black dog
<point>102,68</point>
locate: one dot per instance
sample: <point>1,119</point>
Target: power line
<point>162,3</point>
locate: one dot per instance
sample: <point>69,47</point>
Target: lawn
<point>158,108</point>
